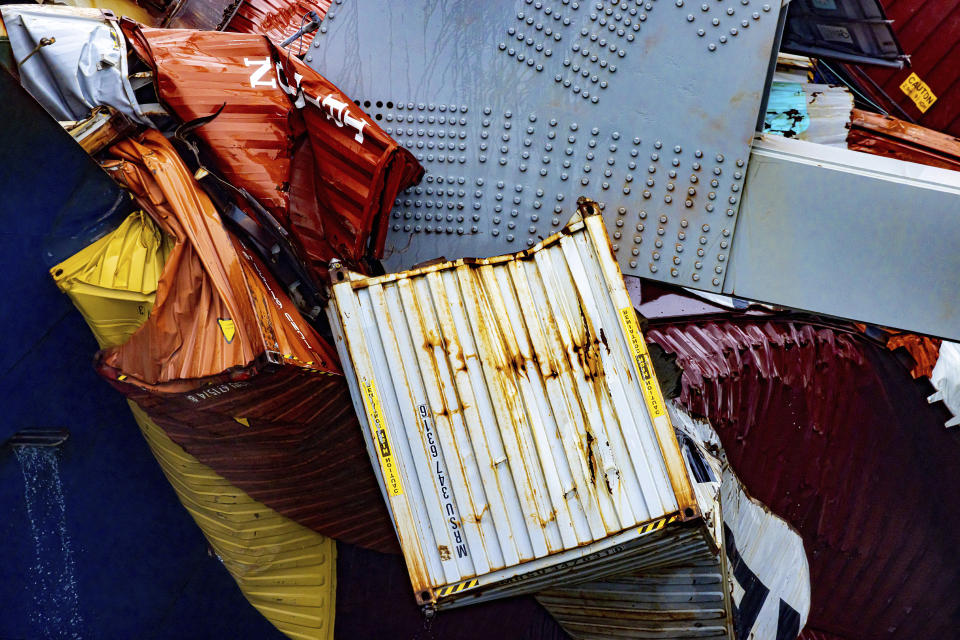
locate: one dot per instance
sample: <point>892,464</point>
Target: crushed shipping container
<point>296,143</point>
<point>514,419</point>
<point>230,370</point>
<point>72,60</point>
<point>284,569</point>
<point>756,585</point>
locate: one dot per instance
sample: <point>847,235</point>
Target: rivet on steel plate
<point>712,47</point>
<point>715,22</point>
<point>766,7</point>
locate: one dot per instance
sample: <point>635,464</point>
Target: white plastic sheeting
<point>946,380</point>
<point>512,412</point>
<point>85,66</point>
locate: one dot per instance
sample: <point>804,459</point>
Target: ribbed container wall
<point>512,407</point>
<point>684,601</point>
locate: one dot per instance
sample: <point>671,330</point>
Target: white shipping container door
<point>512,409</point>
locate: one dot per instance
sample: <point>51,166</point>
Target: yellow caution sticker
<point>656,525</point>
<point>242,421</point>
<point>378,426</point>
<point>648,383</point>
<point>918,91</point>
<point>457,588</point>
<point>228,328</point>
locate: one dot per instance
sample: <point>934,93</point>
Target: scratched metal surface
<point>516,107</point>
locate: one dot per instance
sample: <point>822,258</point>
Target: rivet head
<point>712,47</point>
<point>716,282</point>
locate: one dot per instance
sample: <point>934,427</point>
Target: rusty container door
<point>512,414</point>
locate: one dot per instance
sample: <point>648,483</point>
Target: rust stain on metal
<point>894,138</point>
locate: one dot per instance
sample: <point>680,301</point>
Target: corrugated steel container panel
<point>748,580</point>
<point>686,601</point>
<point>285,570</point>
<point>277,19</point>
<point>227,366</point>
<point>321,166</point>
<point>512,412</point>
<point>832,433</point>
<point>929,33</point>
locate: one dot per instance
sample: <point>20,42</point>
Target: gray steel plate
<point>516,107</point>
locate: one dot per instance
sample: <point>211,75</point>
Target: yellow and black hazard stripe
<point>457,588</point>
<point>656,525</point>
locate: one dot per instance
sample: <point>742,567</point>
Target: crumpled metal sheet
<point>84,68</point>
<point>230,370</point>
<point>324,169</point>
<point>277,19</point>
<point>832,433</point>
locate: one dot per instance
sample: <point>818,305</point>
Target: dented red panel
<point>227,366</point>
<point>277,19</point>
<point>301,147</point>
<point>832,433</point>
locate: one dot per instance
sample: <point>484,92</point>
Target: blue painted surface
<point>141,564</point>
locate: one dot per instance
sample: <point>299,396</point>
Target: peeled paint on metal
<point>113,282</point>
<point>230,370</point>
<point>285,570</point>
<point>832,433</point>
<point>813,112</point>
<point>85,67</point>
<point>511,407</point>
<point>301,147</point>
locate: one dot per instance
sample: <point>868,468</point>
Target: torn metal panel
<point>829,430</point>
<point>851,30</point>
<point>277,19</point>
<point>895,138</point>
<point>83,66</point>
<point>321,167</point>
<point>512,414</point>
<point>878,253</point>
<point>751,583</point>
<point>538,103</point>
<point>103,128</point>
<point>230,370</point>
